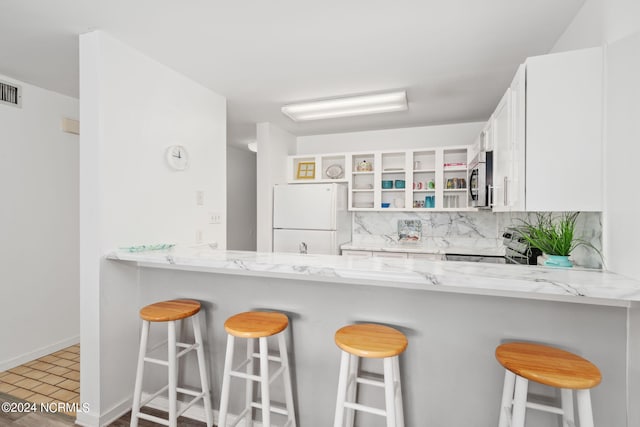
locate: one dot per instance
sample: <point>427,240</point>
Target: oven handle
<point>490,189</point>
<point>473,172</point>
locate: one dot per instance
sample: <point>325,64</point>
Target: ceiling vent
<point>10,94</point>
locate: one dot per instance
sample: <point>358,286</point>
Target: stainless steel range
<point>517,251</point>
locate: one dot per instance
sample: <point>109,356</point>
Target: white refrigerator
<point>310,218</point>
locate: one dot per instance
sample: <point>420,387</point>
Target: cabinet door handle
<point>506,198</point>
<point>490,195</point>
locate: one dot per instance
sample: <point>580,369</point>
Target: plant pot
<point>558,261</point>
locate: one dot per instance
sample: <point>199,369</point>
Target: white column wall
<point>39,295</point>
<point>129,196</point>
<point>241,199</point>
<point>274,145</point>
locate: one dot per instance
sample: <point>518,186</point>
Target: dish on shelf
<point>386,205</point>
<point>393,170</point>
<point>334,171</point>
<point>387,184</point>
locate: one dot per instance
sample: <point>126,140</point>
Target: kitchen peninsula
<point>453,313</point>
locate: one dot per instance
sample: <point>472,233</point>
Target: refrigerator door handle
<point>302,248</point>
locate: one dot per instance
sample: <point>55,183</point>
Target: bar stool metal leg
<point>585,412</point>
<point>204,382</point>
<point>507,398</point>
<point>342,389</point>
<point>137,393</point>
<point>286,375</point>
<point>398,391</point>
<point>520,402</point>
<point>226,382</point>
<point>352,388</point>
<point>173,375</point>
<point>390,399</point>
<point>264,382</point>
<point>248,422</point>
<point>566,399</point>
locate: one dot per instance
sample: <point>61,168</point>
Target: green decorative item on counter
<point>555,237</point>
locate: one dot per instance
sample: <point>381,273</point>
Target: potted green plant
<point>555,237</point>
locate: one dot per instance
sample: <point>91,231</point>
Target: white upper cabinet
<point>547,135</point>
<point>516,181</point>
<point>486,141</point>
<point>564,131</point>
<point>502,146</point>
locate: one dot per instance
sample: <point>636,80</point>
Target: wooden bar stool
<point>550,366</point>
<point>371,341</point>
<point>171,312</point>
<point>260,325</point>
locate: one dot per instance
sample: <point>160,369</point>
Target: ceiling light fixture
<point>345,107</point>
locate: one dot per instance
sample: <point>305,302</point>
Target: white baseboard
<point>116,412</point>
<point>90,419</point>
<point>87,419</point>
<point>43,351</point>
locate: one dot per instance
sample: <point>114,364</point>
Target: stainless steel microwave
<point>481,180</point>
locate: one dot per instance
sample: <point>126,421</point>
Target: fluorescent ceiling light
<point>344,107</point>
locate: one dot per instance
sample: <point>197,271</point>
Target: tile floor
<point>52,378</point>
<point>55,378</point>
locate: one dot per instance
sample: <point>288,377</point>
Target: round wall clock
<point>177,157</point>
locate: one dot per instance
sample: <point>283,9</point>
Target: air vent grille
<point>10,94</point>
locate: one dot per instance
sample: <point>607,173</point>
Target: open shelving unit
<point>435,178</point>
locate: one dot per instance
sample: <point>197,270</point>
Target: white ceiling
<point>455,58</point>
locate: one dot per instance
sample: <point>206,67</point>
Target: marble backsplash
<point>482,229</point>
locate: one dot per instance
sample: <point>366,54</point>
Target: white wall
<point>241,199</point>
<point>586,29</point>
<point>274,145</point>
<point>416,137</point>
<point>600,22</point>
<point>128,196</point>
<point>621,19</point>
<point>39,295</point>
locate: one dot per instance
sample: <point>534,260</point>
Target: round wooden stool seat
<point>256,324</point>
<point>371,340</point>
<point>548,365</point>
<point>166,311</point>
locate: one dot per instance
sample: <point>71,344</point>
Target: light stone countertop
<point>531,282</point>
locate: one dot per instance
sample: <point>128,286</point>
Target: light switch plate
<point>215,217</point>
